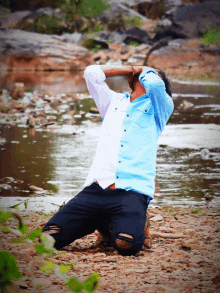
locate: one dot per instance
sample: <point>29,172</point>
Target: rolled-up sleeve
<point>161,101</point>
<point>101,93</point>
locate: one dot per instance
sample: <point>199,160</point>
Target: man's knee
<point>51,229</point>
<point>124,241</point>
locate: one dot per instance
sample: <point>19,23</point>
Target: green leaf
<point>8,269</point>
<point>10,230</point>
<point>48,267</point>
<point>5,229</point>
<point>25,204</point>
<point>91,284</point>
<point>64,269</point>
<point>36,233</point>
<point>23,229</point>
<point>4,216</point>
<point>74,285</point>
<point>15,207</point>
<point>40,248</point>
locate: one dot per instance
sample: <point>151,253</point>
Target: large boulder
<point>120,7</point>
<point>32,51</point>
<point>189,21</point>
<point>193,20</point>
<point>11,20</point>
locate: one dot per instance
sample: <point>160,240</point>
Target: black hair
<point>134,80</point>
<point>164,78</point>
<point>166,81</point>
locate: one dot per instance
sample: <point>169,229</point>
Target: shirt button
<point>127,115</point>
<point>121,145</point>
<point>119,161</point>
<point>145,110</point>
<point>117,177</point>
<point>124,129</point>
<point>115,108</point>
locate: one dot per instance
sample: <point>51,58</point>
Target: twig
<point>161,43</point>
<point>168,235</point>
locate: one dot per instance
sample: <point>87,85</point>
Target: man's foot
<point>148,240</point>
<point>103,241</point>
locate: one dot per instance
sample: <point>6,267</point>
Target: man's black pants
<point>94,208</point>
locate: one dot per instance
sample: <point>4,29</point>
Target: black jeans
<point>94,208</point>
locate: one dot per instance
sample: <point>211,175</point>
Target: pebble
<point>35,188</point>
<point>21,255</point>
<point>157,218</point>
<point>42,281</point>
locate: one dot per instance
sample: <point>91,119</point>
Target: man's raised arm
<point>95,76</point>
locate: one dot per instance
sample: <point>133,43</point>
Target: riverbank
<point>184,257</point>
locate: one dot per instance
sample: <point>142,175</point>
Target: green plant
<point>9,268</point>
<point>50,25</point>
<point>197,212</point>
<point>90,44</point>
<point>210,36</point>
<point>5,3</point>
<point>135,21</point>
<point>79,14</point>
<point>134,43</point>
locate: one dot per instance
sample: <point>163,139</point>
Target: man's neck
<point>138,92</point>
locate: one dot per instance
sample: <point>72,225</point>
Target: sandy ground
<point>185,256</point>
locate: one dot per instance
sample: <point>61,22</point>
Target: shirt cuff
<point>94,72</point>
<point>145,72</point>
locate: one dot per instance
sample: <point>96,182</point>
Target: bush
<point>90,44</point>
<point>135,21</point>
<point>49,25</point>
<point>211,36</point>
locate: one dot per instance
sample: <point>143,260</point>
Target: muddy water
<point>188,162</point>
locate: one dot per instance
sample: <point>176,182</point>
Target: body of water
<point>188,161</point>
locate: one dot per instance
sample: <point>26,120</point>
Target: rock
<point>25,100</point>
<point>138,34</point>
<point>50,11</point>
<point>208,196</point>
<point>205,153</point>
<point>194,19</point>
<point>186,105</point>
<point>172,5</point>
<point>73,38</point>
<point>164,23</point>
<point>151,9</point>
<point>94,110</point>
<point>42,282</point>
<point>177,43</point>
<point>124,50</point>
<point>4,10</point>
<point>157,218</point>
<point>35,188</point>
<point>29,251</point>
<point>121,6</point>
<point>17,91</point>
<point>33,51</point>
<point>21,255</point>
<point>11,20</point>
<point>31,121</point>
